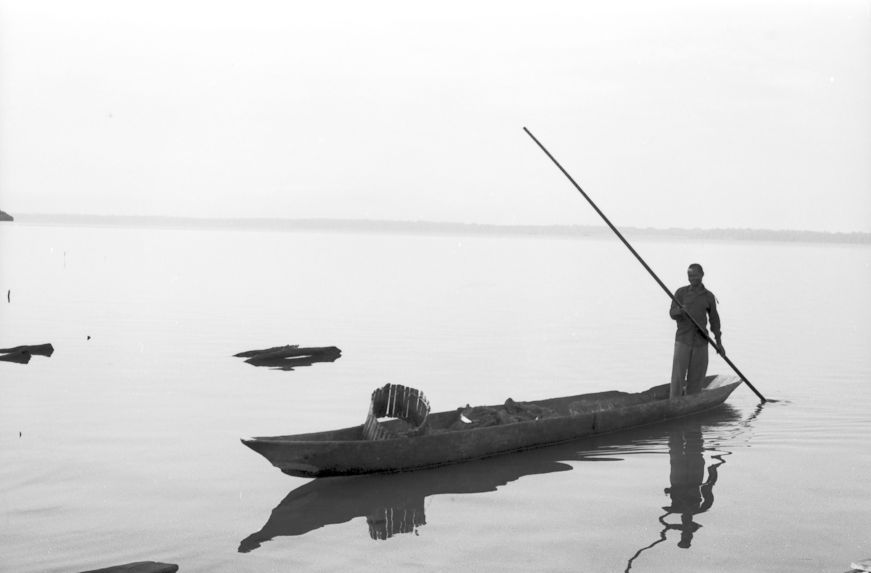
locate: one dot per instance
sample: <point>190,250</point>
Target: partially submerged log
<point>138,567</point>
<point>19,357</point>
<point>34,349</point>
<point>290,356</point>
<point>22,354</point>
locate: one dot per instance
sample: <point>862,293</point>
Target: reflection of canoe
<point>347,452</point>
<point>392,503</point>
<point>139,567</point>
<point>395,503</point>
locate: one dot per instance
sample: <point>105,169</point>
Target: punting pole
<point>644,264</point>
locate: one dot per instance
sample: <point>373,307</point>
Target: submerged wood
<point>138,567</point>
<point>290,356</point>
<point>347,451</point>
<point>22,354</point>
<point>34,349</point>
<point>19,357</point>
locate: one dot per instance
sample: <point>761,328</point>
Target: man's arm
<point>714,317</point>
<point>676,311</point>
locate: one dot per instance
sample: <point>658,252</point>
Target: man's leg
<point>697,369</point>
<point>679,365</point>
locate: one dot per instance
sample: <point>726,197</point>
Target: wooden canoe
<point>347,452</point>
<point>395,503</point>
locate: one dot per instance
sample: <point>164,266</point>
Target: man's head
<point>695,274</point>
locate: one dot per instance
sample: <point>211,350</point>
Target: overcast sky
<point>669,114</point>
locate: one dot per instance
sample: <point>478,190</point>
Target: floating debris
<point>290,356</point>
<point>22,354</point>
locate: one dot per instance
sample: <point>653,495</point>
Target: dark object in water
<point>348,451</point>
<point>290,356</point>
<point>35,349</point>
<point>138,567</point>
<point>22,354</point>
<point>19,357</point>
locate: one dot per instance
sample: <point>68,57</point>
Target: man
<point>690,361</point>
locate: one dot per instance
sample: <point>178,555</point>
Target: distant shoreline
<point>439,228</point>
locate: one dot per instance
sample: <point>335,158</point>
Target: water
<point>125,446</point>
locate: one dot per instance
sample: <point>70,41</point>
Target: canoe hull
<point>345,452</point>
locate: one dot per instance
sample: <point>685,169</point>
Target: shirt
<point>700,303</point>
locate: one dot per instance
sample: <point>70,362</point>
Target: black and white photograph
<point>478,286</point>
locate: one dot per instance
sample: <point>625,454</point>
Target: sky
<point>696,114</point>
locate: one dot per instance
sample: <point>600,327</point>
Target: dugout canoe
<point>392,504</point>
<point>348,451</point>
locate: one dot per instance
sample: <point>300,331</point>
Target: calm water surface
<point>125,446</point>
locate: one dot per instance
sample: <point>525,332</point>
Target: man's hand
<point>678,311</point>
<point>721,350</point>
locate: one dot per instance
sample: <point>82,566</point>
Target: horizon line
<point>562,229</point>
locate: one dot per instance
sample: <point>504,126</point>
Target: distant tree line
<point>441,228</point>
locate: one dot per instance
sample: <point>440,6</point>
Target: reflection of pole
<point>643,549</point>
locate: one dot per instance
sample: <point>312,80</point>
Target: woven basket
<point>396,401</point>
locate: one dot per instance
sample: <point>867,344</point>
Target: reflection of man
<point>690,362</point>
<point>689,496</point>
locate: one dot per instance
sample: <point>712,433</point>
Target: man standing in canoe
<point>690,361</point>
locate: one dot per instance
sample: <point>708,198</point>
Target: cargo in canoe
<point>420,439</point>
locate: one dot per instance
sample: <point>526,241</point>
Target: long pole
<point>644,264</point>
